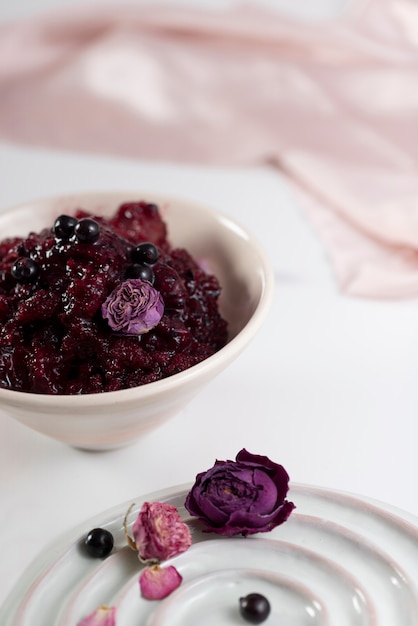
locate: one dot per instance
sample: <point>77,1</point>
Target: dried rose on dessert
<point>133,308</point>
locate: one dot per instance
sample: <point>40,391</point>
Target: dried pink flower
<point>103,616</point>
<point>133,308</point>
<point>158,582</point>
<point>159,532</point>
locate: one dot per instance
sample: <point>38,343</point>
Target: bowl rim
<point>143,392</point>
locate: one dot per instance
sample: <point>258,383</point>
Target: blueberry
<point>254,608</point>
<point>146,253</point>
<point>64,227</point>
<point>144,272</point>
<point>129,251</point>
<point>25,270</point>
<point>87,230</point>
<point>99,543</point>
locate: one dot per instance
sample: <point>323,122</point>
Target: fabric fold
<point>334,105</point>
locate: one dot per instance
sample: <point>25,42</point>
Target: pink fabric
<point>333,105</point>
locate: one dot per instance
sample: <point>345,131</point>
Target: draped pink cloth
<point>333,105</point>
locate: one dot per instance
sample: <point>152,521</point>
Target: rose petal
<point>103,616</point>
<point>158,582</point>
<point>244,523</point>
<point>276,471</point>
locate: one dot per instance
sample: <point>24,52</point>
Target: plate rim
<point>65,540</point>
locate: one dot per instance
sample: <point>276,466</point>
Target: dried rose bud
<point>244,496</point>
<point>159,532</point>
<point>103,616</point>
<point>158,582</point>
<point>133,308</point>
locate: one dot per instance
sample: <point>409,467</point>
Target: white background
<point>328,387</point>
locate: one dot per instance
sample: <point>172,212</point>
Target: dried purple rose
<point>244,496</point>
<point>103,616</point>
<point>158,582</point>
<point>159,533</point>
<point>133,308</point>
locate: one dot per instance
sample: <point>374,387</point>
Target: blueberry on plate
<point>99,543</point>
<point>254,608</point>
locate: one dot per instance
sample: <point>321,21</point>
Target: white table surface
<point>328,387</point>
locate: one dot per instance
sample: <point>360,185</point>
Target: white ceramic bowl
<point>116,418</point>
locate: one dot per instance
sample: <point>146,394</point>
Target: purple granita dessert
<point>93,304</point>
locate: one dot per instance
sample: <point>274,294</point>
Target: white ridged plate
<point>338,561</point>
